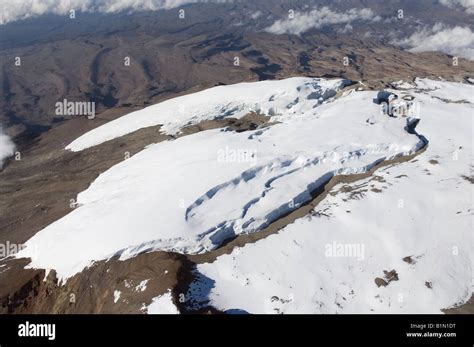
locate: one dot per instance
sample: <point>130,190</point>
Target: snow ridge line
<point>213,238</point>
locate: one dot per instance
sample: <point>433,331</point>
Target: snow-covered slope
<point>191,194</point>
<point>274,98</point>
<point>327,263</point>
<point>445,90</point>
<point>162,304</point>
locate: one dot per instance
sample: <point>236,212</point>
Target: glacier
<point>179,196</point>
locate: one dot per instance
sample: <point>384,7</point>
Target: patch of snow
<point>117,294</point>
<point>452,91</point>
<point>162,304</point>
<point>142,286</point>
<point>401,84</point>
<point>46,274</point>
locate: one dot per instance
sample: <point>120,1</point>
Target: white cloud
<point>7,147</point>
<point>457,41</point>
<point>317,18</point>
<point>468,5</point>
<point>255,15</point>
<point>12,10</point>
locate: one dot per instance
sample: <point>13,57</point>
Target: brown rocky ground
<point>83,60</point>
<point>91,291</point>
<point>467,308</point>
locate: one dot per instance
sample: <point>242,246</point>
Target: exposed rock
<point>380,282</point>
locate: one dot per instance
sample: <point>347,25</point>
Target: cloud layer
<point>318,18</point>
<point>457,41</point>
<point>468,5</point>
<point>7,147</point>
<point>12,10</point>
